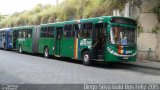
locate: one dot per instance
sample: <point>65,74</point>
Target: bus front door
<point>58,40</point>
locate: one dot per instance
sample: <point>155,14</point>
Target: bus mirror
<point>109,23</point>
<point>79,26</point>
<point>108,38</point>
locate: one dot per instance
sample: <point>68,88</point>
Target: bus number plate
<point>125,57</point>
<point>128,52</point>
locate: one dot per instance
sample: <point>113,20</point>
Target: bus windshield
<point>123,36</point>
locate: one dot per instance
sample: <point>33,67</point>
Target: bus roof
<point>4,29</point>
<point>85,20</point>
<point>23,27</point>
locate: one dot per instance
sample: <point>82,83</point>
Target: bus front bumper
<point>115,57</point>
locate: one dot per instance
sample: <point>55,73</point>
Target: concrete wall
<point>145,42</point>
<point>148,20</point>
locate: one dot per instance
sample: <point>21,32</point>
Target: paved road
<point>28,69</point>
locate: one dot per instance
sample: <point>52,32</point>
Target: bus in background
<point>23,38</point>
<point>6,38</point>
<point>35,39</point>
<point>46,39</point>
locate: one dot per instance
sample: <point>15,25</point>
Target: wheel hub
<point>46,53</point>
<point>20,50</point>
<point>86,58</point>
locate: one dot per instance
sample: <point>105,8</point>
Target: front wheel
<point>46,52</point>
<point>20,49</point>
<point>86,58</point>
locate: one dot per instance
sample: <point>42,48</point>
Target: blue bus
<point>6,38</point>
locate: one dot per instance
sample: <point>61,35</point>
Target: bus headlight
<point>111,51</point>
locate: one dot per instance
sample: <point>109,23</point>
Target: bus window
<point>123,36</point>
<point>44,32</point>
<point>27,33</point>
<point>86,31</point>
<point>76,30</point>
<point>47,32</point>
<point>51,32</point>
<point>30,33</point>
<point>67,31</point>
<point>2,33</point>
<point>9,34</point>
<point>24,33</point>
<point>59,32</point>
<point>20,34</point>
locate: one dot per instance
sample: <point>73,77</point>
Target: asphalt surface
<point>34,69</point>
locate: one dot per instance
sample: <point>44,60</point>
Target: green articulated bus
<point>105,38</point>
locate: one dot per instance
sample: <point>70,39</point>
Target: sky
<point>11,6</point>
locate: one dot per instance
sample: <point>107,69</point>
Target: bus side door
<point>59,31</point>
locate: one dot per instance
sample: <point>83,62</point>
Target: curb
<point>145,64</point>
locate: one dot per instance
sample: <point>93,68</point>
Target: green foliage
<point>0,17</point>
<point>155,29</point>
<point>139,28</point>
<point>67,10</point>
<point>156,10</point>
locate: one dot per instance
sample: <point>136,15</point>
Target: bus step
<point>99,60</point>
<point>100,51</point>
<point>100,56</point>
<point>57,55</point>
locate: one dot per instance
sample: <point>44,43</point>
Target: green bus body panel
<point>108,57</point>
<point>80,45</point>
<point>46,42</point>
<point>67,47</point>
<point>26,43</point>
<point>58,47</point>
<point>72,47</point>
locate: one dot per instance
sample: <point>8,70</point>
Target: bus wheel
<point>5,48</point>
<point>46,52</point>
<point>20,49</point>
<point>86,58</point>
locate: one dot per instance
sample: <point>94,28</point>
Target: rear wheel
<point>46,52</point>
<point>5,48</point>
<point>86,58</point>
<point>20,49</point>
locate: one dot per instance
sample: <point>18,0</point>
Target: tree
<point>67,10</point>
<point>1,17</point>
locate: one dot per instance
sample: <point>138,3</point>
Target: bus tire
<point>46,52</point>
<point>86,58</point>
<point>5,48</point>
<point>20,49</point>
